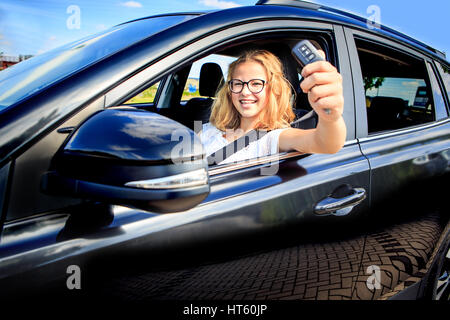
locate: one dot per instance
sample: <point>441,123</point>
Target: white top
<point>213,140</point>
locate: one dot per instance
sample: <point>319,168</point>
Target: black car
<point>92,172</point>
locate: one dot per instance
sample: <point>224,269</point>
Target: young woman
<point>257,96</point>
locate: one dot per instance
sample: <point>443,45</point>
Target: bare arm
<point>323,84</point>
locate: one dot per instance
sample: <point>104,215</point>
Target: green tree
<point>372,83</point>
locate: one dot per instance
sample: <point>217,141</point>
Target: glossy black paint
<point>405,161</point>
<point>243,201</point>
<point>40,113</point>
<point>133,145</point>
<point>133,135</point>
<point>28,168</point>
<point>240,203</point>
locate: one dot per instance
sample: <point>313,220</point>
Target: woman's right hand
<point>323,84</point>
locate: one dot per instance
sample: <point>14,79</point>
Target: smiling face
<point>248,104</point>
<point>267,109</point>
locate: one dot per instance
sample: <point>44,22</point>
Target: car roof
<point>198,22</point>
<point>356,19</point>
<point>314,11</point>
<point>146,47</point>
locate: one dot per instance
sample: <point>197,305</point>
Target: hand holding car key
<point>305,53</point>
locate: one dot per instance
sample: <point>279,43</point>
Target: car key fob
<point>304,52</point>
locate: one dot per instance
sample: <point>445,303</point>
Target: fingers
<point>323,83</point>
<point>322,53</point>
<point>318,66</point>
<point>322,91</point>
<point>319,78</point>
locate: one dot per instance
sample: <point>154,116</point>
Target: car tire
<point>441,290</point>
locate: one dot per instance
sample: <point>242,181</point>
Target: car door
<point>285,193</point>
<point>406,140</point>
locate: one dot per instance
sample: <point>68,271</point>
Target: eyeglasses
<point>254,85</point>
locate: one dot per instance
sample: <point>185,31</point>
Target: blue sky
<point>33,27</point>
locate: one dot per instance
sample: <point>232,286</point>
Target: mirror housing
<point>131,157</point>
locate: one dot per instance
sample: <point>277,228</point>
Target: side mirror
<point>131,157</point>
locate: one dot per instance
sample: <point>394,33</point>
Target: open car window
<point>189,92</point>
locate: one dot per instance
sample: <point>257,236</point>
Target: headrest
<point>211,77</point>
<point>387,104</point>
<point>384,112</point>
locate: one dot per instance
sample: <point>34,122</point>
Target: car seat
<point>199,109</point>
<point>304,119</point>
<point>385,113</point>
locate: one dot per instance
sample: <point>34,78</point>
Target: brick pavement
<point>402,252</point>
<point>308,271</point>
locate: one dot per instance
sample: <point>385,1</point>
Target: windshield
<point>32,75</point>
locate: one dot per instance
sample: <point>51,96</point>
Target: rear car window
<point>397,88</point>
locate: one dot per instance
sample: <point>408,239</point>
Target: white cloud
<point>220,4</point>
<point>131,4</point>
<point>4,42</point>
<point>100,27</point>
<point>410,83</point>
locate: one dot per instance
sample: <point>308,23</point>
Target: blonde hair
<point>277,114</point>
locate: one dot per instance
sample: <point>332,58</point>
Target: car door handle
<point>340,206</point>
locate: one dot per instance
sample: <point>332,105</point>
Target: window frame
<point>439,73</point>
<point>440,110</point>
<point>360,105</point>
<point>211,43</point>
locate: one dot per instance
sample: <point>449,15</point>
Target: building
<point>8,61</point>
